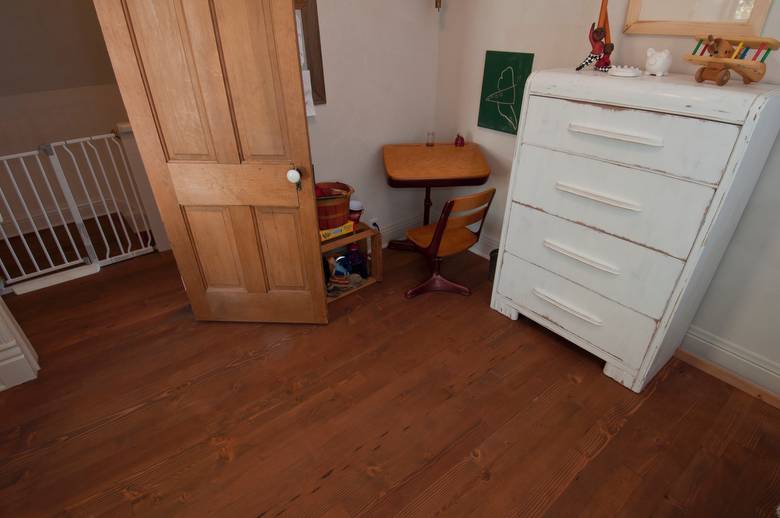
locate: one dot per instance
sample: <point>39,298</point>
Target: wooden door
<point>213,91</point>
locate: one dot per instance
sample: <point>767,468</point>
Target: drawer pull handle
<point>568,309</point>
<point>594,263</point>
<point>645,140</point>
<point>598,197</point>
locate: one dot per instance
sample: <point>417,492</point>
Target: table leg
<point>428,204</point>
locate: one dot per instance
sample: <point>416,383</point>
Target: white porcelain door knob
<point>293,176</point>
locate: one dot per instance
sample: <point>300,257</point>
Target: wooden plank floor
<point>435,406</point>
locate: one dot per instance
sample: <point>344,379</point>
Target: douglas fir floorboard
<point>436,405</point>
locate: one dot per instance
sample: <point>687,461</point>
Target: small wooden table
<point>441,165</point>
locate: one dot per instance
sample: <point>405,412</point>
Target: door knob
<point>294,176</point>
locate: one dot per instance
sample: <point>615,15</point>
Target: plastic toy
<point>745,56</point>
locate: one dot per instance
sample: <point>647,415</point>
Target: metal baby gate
<point>67,209</point>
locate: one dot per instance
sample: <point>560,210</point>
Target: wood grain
<point>409,164</point>
<point>397,407</point>
<point>213,91</point>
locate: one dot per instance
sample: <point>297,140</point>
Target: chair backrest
<point>475,206</point>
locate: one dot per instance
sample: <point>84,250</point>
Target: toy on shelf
<point>658,63</point>
<point>604,63</point>
<point>596,36</point>
<point>745,56</point>
<point>601,45</point>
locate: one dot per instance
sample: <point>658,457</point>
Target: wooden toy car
<point>745,56</point>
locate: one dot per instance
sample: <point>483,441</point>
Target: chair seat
<point>454,240</point>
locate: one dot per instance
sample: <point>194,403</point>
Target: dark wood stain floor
<point>435,406</point>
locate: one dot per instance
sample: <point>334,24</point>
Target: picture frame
<point>311,38</point>
<point>503,84</point>
<point>751,27</point>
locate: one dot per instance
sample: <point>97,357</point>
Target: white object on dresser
<point>623,198</point>
<point>658,63</point>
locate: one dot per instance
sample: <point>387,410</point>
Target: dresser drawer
<point>682,146</point>
<point>630,274</point>
<point>613,328</point>
<point>646,208</point>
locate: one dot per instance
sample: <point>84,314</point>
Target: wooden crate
<point>362,233</point>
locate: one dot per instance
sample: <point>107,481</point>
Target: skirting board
<point>484,246</point>
<point>733,357</point>
<point>729,377</point>
<point>398,229</point>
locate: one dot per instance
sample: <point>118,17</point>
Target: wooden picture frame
<point>311,39</point>
<point>752,27</point>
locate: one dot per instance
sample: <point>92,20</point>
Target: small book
<point>343,230</point>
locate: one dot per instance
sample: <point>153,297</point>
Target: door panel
<point>190,103</point>
<point>255,88</point>
<point>280,231</point>
<point>202,184</point>
<point>213,91</point>
<point>215,246</point>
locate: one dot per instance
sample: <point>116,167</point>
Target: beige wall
<point>51,45</point>
<point>57,84</point>
<point>380,75</point>
<point>556,34</point>
<point>57,81</point>
<point>737,324</point>
<point>31,119</point>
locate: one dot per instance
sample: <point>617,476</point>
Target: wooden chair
<point>449,236</point>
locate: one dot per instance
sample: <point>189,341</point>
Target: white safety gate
<point>67,209</point>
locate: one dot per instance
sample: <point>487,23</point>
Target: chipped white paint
<point>18,360</point>
<point>632,275</point>
<point>653,210</point>
<point>623,280</point>
<point>676,93</point>
<point>678,146</point>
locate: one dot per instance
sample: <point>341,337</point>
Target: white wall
<point>30,119</point>
<point>737,324</point>
<point>380,73</point>
<point>555,31</point>
<point>57,84</point>
<point>57,81</point>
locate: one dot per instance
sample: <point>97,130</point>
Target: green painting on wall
<point>503,83</point>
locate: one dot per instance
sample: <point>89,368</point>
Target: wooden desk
<point>442,165</point>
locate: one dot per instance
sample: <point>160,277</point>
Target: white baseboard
<point>733,357</point>
<point>398,229</point>
<point>484,246</point>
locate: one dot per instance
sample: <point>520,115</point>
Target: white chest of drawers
<point>624,195</point>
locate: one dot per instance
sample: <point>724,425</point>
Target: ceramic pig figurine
<point>658,63</point>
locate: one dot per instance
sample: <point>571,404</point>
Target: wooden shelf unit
<point>362,232</point>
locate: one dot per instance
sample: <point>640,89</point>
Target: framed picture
<point>503,83</point>
<point>724,18</point>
